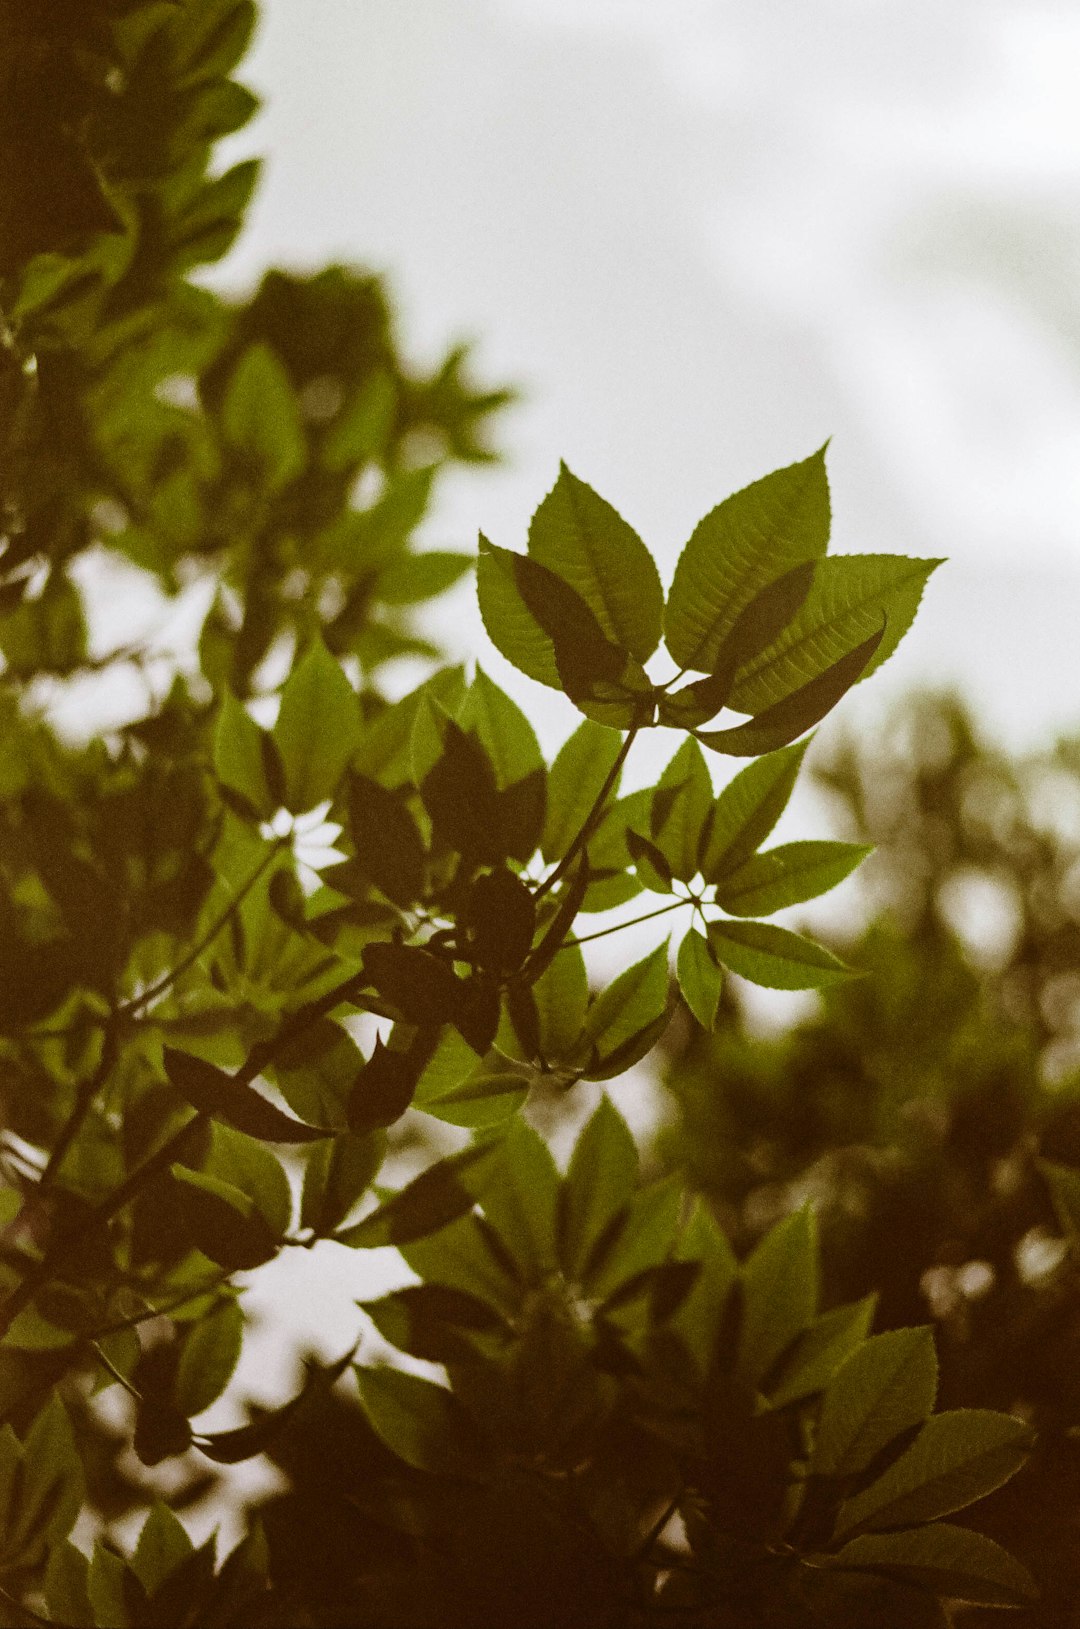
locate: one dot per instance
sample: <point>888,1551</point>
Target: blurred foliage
<point>916,1106</point>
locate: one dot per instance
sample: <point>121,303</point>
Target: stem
<point>592,819</point>
<point>617,927</point>
<point>83,1100</point>
<point>111,1368</point>
<point>220,921</point>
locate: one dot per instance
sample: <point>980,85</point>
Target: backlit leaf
<point>775,958</point>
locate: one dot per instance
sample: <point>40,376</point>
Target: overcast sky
<point>704,236</point>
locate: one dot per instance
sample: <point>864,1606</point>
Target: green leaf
<point>163,1545</point>
<point>252,1168</point>
<point>577,776</point>
<point>775,958</point>
<point>747,810</point>
<point>780,1293</point>
<point>700,979</point>
<point>783,722</point>
<point>957,1458</point>
<point>631,1006</point>
<point>681,805</point>
<point>461,1257</point>
<point>210,1353</point>
<point>852,595</point>
<point>503,729</point>
<point>422,1423</point>
<point>521,1198</point>
<point>225,1098</point>
<point>439,1195</point>
<point>224,1223</point>
<point>318,728</point>
<point>67,1595</point>
<point>561,994</point>
<point>787,875</point>
<point>457,1088</point>
<point>524,607</point>
<point>578,535</point>
<point>650,863</point>
<point>337,1174</point>
<point>260,417</point>
<point>434,1321</point>
<point>700,1320</point>
<point>416,577</point>
<point>239,757</point>
<point>946,1560</point>
<point>747,541</point>
<point>599,1186</point>
<point>887,1386</point>
<point>819,1351</point>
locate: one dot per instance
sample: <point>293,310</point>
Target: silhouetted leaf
<point>219,1095</point>
<point>389,848</point>
<point>500,916</point>
<point>384,1087</point>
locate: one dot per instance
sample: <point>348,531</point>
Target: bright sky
<point>705,236</point>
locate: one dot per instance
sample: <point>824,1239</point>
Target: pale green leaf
<point>700,979</point>
<point>787,875</point>
<point>775,958</point>
<point>318,728</point>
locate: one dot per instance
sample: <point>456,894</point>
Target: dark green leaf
<point>224,1223</point>
<point>956,1458</point>
<point>815,1356</point>
<point>500,918</point>
<point>440,1194</point>
<point>946,1560</point>
<point>219,1095</point>
<point>886,1387</point>
<point>389,848</point>
<point>423,987</point>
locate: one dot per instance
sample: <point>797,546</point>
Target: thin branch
<point>220,921</point>
<point>617,927</point>
<point>593,818</point>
